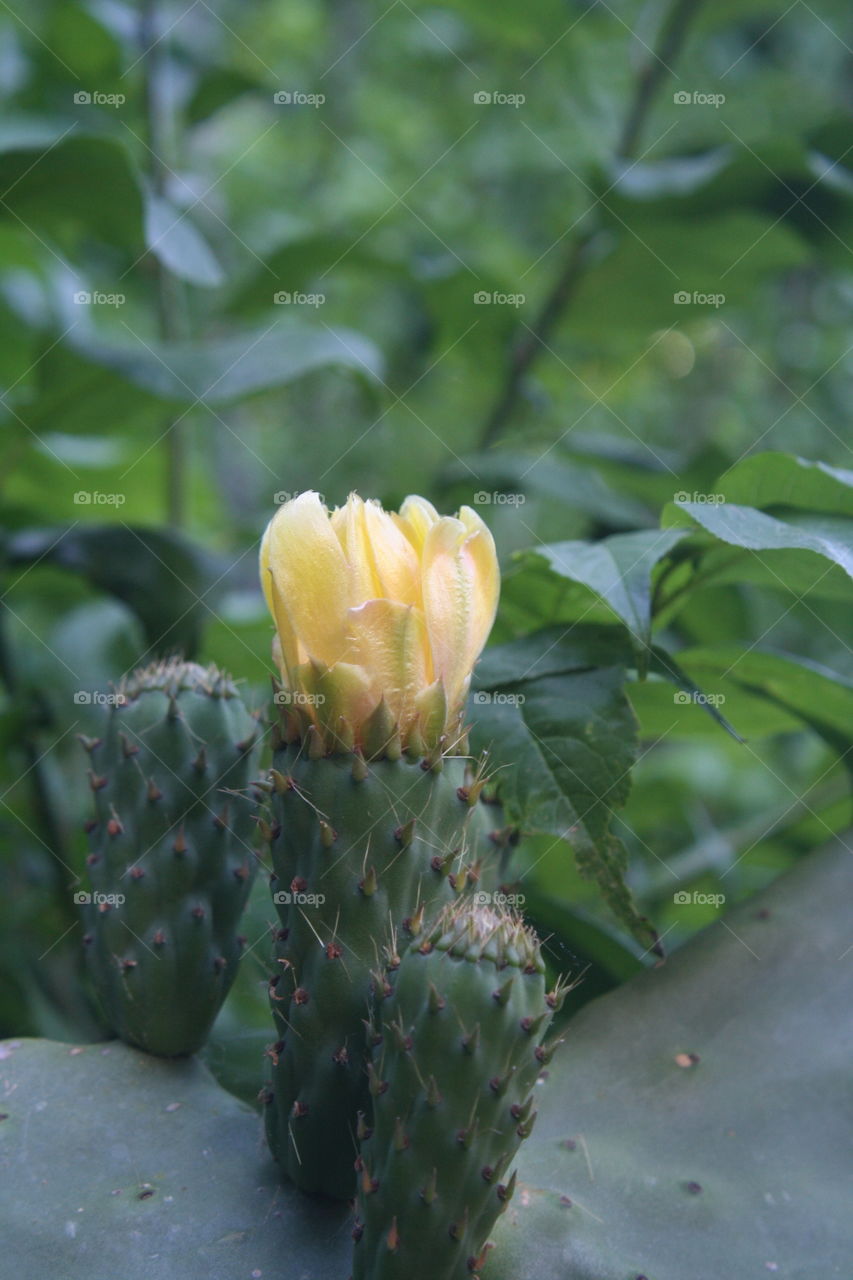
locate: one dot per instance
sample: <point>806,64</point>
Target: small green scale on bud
<point>458,1063</point>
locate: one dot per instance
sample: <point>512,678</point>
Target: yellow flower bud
<point>380,617</point>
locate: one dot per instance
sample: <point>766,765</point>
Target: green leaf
<point>829,537</point>
<point>552,651</point>
<point>226,369</point>
<point>655,258</point>
<point>783,480</point>
<point>671,176</point>
<point>171,584</point>
<point>51,186</point>
<point>572,484</point>
<point>816,695</point>
<point>179,244</point>
<point>618,570</point>
<point>560,748</point>
<point>584,646</point>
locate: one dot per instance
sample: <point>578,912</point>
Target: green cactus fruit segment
<point>360,851</point>
<point>171,860</point>
<point>455,1075</point>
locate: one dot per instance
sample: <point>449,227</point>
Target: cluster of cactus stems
<point>459,1039</point>
<point>170,863</point>
<point>363,841</point>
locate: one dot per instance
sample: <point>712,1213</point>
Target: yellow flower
<point>380,617</point>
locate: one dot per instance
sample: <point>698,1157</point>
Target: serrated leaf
<point>552,651</point>
<point>618,570</point>
<point>561,749</point>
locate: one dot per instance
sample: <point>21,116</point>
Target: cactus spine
<point>171,864</point>
<point>463,1024</point>
<point>358,846</point>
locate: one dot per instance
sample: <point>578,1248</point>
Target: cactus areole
<point>171,859</point>
<point>374,816</point>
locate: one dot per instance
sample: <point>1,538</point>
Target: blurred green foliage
<point>217,289</point>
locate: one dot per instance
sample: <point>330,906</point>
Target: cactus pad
<point>171,862</point>
<point>452,1090</point>
<point>358,849</point>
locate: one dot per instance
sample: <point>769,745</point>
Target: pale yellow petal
<point>311,575</point>
<point>290,652</point>
<point>395,561</point>
<point>417,516</point>
<point>473,521</point>
<point>350,524</point>
<point>390,641</point>
<point>479,549</point>
<point>460,585</point>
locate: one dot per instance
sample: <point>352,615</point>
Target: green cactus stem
<point>358,847</point>
<point>463,1018</point>
<point>170,863</point>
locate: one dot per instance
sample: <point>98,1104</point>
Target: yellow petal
<point>479,549</point>
<point>311,576</point>
<point>416,518</point>
<point>350,524</point>
<point>390,640</point>
<point>395,562</point>
<point>460,586</point>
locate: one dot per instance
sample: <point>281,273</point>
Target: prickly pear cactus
<point>358,847</point>
<point>171,861</point>
<point>463,1026</point>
